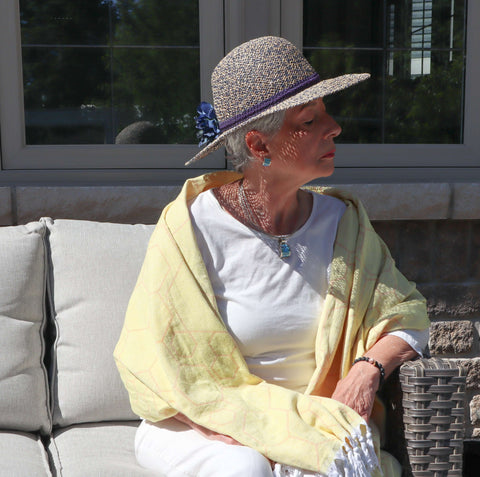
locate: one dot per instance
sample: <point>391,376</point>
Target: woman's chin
<point>327,168</point>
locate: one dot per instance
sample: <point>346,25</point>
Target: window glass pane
<point>432,23</point>
<point>358,110</point>
<point>156,22</point>
<point>110,71</point>
<point>67,95</point>
<point>425,108</point>
<point>342,23</point>
<point>148,88</point>
<point>415,51</point>
<point>65,22</point>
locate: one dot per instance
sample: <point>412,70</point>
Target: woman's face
<point>304,146</point>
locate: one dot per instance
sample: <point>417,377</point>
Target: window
<point>76,77</point>
<point>110,72</point>
<point>414,116</point>
<point>415,51</point>
<point>85,76</point>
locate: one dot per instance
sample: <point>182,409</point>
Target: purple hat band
<point>264,105</point>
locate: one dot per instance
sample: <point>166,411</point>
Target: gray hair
<point>237,149</point>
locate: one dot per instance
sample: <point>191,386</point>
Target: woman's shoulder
<point>202,203</point>
<point>329,192</point>
<point>343,195</point>
<point>208,216</point>
<point>325,202</point>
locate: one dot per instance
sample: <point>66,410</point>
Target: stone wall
<point>443,258</point>
<point>435,241</point>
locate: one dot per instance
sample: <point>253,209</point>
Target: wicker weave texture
<point>433,403</point>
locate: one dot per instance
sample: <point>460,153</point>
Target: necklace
<point>284,250</point>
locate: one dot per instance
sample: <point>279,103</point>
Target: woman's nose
<point>333,128</point>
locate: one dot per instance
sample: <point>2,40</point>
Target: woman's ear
<point>255,141</point>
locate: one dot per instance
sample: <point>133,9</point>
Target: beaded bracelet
<point>376,364</point>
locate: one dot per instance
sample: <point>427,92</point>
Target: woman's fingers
<point>357,390</point>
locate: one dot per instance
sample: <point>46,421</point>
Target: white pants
<point>175,450</point>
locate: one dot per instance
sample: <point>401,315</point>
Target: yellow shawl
<point>175,354</point>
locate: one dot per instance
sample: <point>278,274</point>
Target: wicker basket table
<point>425,416</point>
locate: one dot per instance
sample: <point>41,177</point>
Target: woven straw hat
<point>260,77</point>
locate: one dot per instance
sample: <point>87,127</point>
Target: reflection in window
<point>391,37</point>
<point>106,71</point>
<point>415,51</point>
<point>421,37</point>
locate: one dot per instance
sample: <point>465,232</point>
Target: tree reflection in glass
<point>415,51</point>
<point>93,68</point>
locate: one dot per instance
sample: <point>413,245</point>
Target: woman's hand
<point>357,389</point>
<point>209,434</point>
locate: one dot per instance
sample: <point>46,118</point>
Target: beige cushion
<point>22,455</point>
<point>94,267</point>
<point>23,377</point>
<point>105,450</point>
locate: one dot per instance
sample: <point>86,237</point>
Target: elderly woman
<point>266,316</point>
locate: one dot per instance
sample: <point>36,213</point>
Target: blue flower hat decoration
<point>207,122</point>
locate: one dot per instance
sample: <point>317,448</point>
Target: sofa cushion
<point>22,455</point>
<point>24,401</point>
<point>105,450</point>
<point>93,270</point>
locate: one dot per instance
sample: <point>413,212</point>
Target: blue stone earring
<point>266,161</point>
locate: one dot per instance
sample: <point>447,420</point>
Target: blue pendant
<point>285,251</point>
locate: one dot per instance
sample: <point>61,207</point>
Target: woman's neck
<point>272,206</point>
<point>279,211</point>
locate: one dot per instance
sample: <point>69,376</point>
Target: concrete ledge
<point>143,204</point>
<point>6,217</point>
<point>466,201</point>
<point>126,204</point>
<point>426,201</point>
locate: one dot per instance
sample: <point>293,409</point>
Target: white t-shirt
<point>271,305</point>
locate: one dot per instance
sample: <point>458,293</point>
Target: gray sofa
<point>64,288</point>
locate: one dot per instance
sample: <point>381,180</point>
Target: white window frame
<point>237,20</point>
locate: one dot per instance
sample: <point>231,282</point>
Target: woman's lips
<point>329,154</point>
